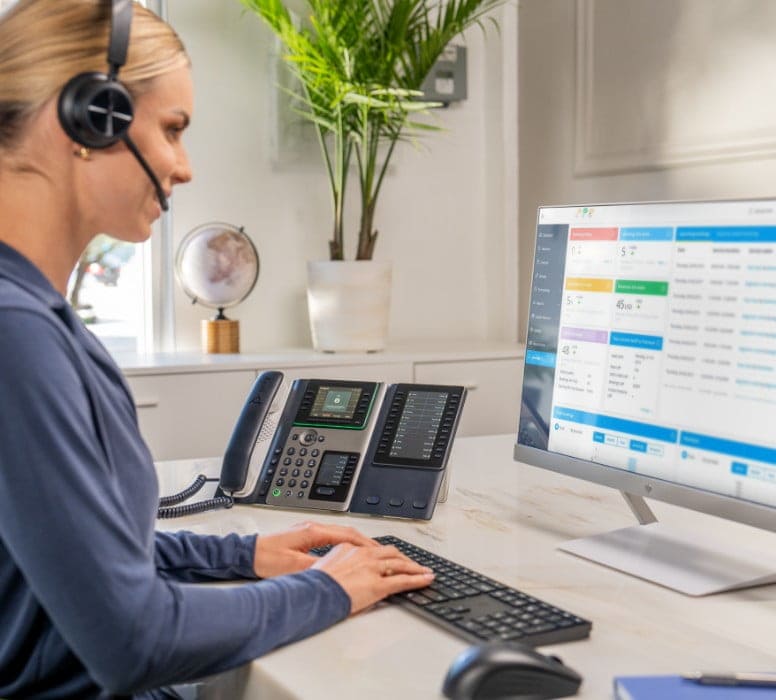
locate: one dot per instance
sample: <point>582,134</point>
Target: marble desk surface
<point>505,520</point>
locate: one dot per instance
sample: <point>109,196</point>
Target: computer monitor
<point>651,367</point>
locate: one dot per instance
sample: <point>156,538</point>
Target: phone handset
<point>242,461</point>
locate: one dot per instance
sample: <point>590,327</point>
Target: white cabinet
<point>189,415</point>
<point>188,404</point>
<point>493,386</point>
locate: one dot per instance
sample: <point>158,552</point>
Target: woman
<point>94,602</point>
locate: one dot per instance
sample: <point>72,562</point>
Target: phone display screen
<point>334,477</point>
<point>332,469</point>
<point>332,403</point>
<point>418,426</point>
<point>335,402</point>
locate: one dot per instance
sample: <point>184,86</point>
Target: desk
<point>505,520</point>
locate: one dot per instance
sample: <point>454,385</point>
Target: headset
<point>95,109</point>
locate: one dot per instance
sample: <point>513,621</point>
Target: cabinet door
<point>493,400</point>
<point>186,416</point>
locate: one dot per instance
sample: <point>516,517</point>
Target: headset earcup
<point>94,110</point>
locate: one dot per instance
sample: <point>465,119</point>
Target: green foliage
<point>361,64</point>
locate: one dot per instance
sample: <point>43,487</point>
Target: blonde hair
<point>44,43</point>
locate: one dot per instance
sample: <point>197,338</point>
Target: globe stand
<point>220,334</point>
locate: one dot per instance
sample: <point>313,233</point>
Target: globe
<point>217,265</point>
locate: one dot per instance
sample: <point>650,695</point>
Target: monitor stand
<point>658,553</point>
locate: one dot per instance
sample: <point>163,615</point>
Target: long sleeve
<point>77,502</point>
<point>186,556</point>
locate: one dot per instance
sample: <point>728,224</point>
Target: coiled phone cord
<point>168,507</point>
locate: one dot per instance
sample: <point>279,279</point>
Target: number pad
<point>299,467</point>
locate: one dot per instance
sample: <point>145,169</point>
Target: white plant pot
<point>349,303</point>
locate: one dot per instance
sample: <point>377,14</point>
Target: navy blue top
<point>92,600</point>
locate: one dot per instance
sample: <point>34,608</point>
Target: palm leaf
<point>360,65</point>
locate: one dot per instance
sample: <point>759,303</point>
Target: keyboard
<point>479,609</point>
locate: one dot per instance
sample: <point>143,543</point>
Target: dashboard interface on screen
<point>651,342</point>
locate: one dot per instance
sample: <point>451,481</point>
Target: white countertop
<point>179,362</point>
<point>506,520</point>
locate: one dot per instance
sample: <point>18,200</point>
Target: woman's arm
<point>187,557</point>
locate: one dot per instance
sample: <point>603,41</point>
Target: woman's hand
<point>369,574</point>
<point>288,552</point>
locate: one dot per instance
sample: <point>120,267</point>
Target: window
<point>109,290</point>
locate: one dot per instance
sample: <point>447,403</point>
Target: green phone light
<point>276,493</point>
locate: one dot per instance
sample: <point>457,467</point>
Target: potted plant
<point>360,65</point>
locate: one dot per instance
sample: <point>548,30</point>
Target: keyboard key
<point>418,598</point>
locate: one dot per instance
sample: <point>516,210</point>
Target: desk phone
<point>341,445</point>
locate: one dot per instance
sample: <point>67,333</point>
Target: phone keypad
<point>297,482</point>
<point>301,452</point>
<point>302,468</point>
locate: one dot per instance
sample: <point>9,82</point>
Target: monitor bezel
<point>701,500</point>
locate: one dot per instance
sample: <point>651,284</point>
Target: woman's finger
<point>336,534</point>
<point>399,565</point>
<point>404,582</point>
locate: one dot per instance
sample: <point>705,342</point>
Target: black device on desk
<point>479,609</point>
<point>508,671</point>
<point>363,447</point>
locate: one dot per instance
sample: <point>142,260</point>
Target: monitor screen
<point>651,350</point>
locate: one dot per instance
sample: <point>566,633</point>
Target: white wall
<point>683,104</point>
<point>445,217</point>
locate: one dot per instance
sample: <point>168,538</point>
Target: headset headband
<point>121,21</point>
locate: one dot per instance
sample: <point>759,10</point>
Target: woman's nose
<point>182,173</point>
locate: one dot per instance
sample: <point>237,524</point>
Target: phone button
<point>280,481</point>
<point>305,484</point>
<point>325,491</point>
<point>396,502</point>
<point>276,493</point>
<point>419,505</point>
<point>373,500</point>
<point>309,437</point>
